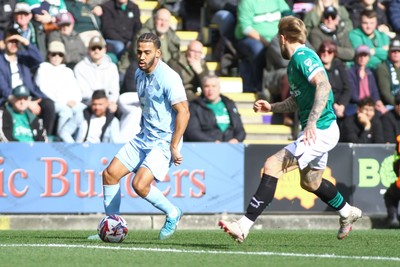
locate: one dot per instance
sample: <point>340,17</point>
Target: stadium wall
<point>59,178</point>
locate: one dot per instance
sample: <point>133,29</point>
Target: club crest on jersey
<point>308,62</point>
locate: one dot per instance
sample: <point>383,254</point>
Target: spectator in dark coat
<point>17,64</point>
<point>363,127</point>
<point>120,23</point>
<point>18,123</point>
<point>391,122</point>
<point>214,117</point>
<point>338,77</point>
<point>6,13</point>
<point>393,13</point>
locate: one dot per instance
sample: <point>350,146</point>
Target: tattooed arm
<point>322,91</point>
<point>286,106</point>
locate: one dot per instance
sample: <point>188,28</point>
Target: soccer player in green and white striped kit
<point>312,97</point>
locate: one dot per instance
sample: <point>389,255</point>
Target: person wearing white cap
<point>74,46</point>
<point>62,88</point>
<point>97,71</point>
<point>29,30</point>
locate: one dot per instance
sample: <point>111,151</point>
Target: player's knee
<point>271,167</point>
<point>108,178</point>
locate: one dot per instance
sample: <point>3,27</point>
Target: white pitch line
<point>262,253</point>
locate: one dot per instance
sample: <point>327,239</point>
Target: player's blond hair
<point>293,29</point>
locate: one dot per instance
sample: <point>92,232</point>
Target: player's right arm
<point>287,106</point>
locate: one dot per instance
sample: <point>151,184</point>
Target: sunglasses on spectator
<point>326,51</point>
<point>57,54</point>
<point>330,15</point>
<point>94,48</point>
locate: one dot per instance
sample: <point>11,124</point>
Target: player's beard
<point>148,65</point>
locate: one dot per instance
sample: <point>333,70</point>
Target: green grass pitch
<point>202,248</point>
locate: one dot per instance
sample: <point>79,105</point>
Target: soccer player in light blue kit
<point>149,155</point>
<point>312,96</point>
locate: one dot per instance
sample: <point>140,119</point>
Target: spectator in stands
<point>18,123</point>
<point>338,77</point>
<point>59,84</point>
<point>17,63</point>
<point>362,82</point>
<point>364,127</point>
<point>33,32</point>
<point>170,46</point>
<point>87,23</point>
<point>313,18</point>
<point>355,9</point>
<point>45,12</point>
<point>367,34</point>
<point>96,124</point>
<point>192,67</point>
<point>388,75</point>
<point>6,14</point>
<point>120,23</point>
<point>222,13</point>
<point>74,46</point>
<point>257,24</point>
<point>213,116</point>
<point>391,122</point>
<point>393,14</point>
<point>330,28</point>
<point>96,71</point>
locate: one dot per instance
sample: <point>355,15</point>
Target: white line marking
<point>265,253</point>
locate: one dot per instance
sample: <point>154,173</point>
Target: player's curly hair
<point>293,29</point>
<point>150,37</point>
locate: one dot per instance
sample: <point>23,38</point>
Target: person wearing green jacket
<point>367,34</point>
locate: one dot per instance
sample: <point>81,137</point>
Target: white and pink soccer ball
<point>112,229</point>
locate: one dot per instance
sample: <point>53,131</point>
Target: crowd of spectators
<point>63,52</point>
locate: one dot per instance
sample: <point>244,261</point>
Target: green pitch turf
<point>202,248</point>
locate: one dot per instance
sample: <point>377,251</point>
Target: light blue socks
<point>159,201</point>
<point>112,198</point>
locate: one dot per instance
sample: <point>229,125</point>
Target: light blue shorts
<point>154,156</point>
<point>315,155</point>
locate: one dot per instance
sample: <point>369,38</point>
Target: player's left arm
<point>322,90</point>
<point>182,119</point>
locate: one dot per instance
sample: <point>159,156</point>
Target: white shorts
<point>153,156</point>
<point>315,155</point>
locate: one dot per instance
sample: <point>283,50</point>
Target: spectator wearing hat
<point>17,64</point>
<point>388,75</point>
<point>363,83</point>
<point>18,123</point>
<point>313,18</point>
<point>120,23</point>
<point>330,28</point>
<point>368,34</point>
<point>74,46</point>
<point>391,122</point>
<point>63,87</point>
<point>96,71</point>
<point>27,28</point>
<point>363,127</point>
<point>95,124</point>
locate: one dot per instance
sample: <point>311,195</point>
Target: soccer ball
<point>113,229</point>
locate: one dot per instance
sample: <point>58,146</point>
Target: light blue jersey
<point>158,92</point>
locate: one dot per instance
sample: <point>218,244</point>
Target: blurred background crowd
<point>67,67</point>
